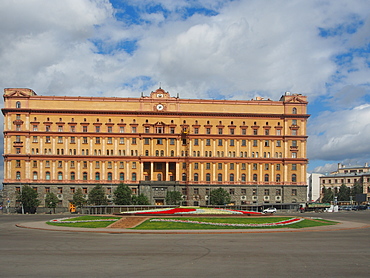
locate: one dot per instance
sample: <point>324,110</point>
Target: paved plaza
<point>326,253</point>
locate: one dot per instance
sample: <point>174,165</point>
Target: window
<point>294,178</point>
<point>208,130</point>
<point>47,139</point>
<point>219,177</point>
<point>267,143</point>
<point>208,166</point>
<point>254,166</point>
<point>110,129</point>
<point>294,122</point>
<point>18,104</point>
<point>84,176</point>
<point>254,177</point>
<point>196,142</point>
<point>97,176</point>
<point>267,166</point>
<point>109,140</point>
<point>84,128</point>
<point>97,129</point>
<point>133,129</point>
<point>146,141</point>
<point>159,141</point>
<point>134,165</point>
<point>220,131</point>
<point>294,167</point>
<point>244,143</point>
<point>34,174</point>
<point>219,166</point>
<point>278,132</point>
<point>72,176</point>
<point>294,143</point>
<point>196,166</point>
<point>232,142</point>
<point>294,132</point>
<point>208,142</point>
<point>232,131</point>
<point>266,178</point>
<point>255,143</point>
<point>60,139</point>
<point>172,141</point>
<point>294,155</point>
<point>172,130</point>
<point>232,166</point>
<point>183,177</point>
<point>294,110</point>
<point>73,140</point>
<point>34,139</point>
<point>220,142</point>
<point>97,140</point>
<point>243,177</point>
<point>109,176</point>
<point>133,141</point>
<point>195,177</point>
<point>244,166</point>
<point>60,176</point>
<point>121,129</point>
<point>196,130</point>
<point>294,192</point>
<point>278,143</point>
<point>121,176</point>
<point>278,178</point>
<point>208,177</point>
<point>17,163</point>
<point>244,131</point>
<point>255,131</point>
<point>231,177</point>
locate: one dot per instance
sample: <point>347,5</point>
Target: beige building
<point>348,175</point>
<point>254,149</point>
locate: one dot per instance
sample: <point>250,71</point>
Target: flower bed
<point>210,211</point>
<point>65,220</point>
<point>280,223</point>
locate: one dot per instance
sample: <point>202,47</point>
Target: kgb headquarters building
<point>256,149</point>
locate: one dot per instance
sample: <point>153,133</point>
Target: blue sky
<point>218,49</point>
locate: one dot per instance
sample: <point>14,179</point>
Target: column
<point>151,171</point>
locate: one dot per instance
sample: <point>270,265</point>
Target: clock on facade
<point>160,107</point>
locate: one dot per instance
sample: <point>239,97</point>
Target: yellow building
<point>255,149</point>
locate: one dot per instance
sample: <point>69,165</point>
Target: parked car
<point>269,210</point>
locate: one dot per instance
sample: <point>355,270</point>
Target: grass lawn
<point>147,225</point>
<point>99,224</point>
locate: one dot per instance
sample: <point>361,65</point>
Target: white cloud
<point>340,135</point>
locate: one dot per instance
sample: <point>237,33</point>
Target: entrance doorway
<point>72,207</point>
<point>159,202</point>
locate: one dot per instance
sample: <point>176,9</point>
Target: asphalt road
<point>37,253</point>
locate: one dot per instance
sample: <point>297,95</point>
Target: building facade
<point>348,175</point>
<point>255,149</point>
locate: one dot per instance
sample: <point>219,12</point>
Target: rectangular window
<point>232,142</point>
<point>294,167</point>
<point>254,191</point>
<point>172,141</point>
<point>84,128</point>
<point>255,143</point>
<point>97,129</point>
<point>244,131</point>
<point>294,192</point>
<point>34,139</point>
<point>266,192</point>
<point>84,190</point>
<point>244,143</point>
<point>84,140</point>
<point>196,191</point>
<point>220,131</point>
<point>110,129</point>
<point>60,190</point>
<point>208,142</point>
<point>278,167</point>
<point>73,140</point>
<point>109,165</point>
<point>97,165</point>
<point>220,142</point>
<point>60,139</point>
<point>278,192</point>
<point>278,143</point>
<point>294,155</point>
<point>73,128</point>
<point>133,129</point>
<point>133,141</point>
<point>254,166</point>
<point>35,128</point>
<point>172,130</point>
<point>208,130</point>
<point>146,141</point>
<point>73,190</point>
<point>196,166</point>
<point>267,143</point>
<point>159,141</point>
<point>196,130</point>
<point>47,139</point>
<point>244,191</point>
<point>208,166</point>
<point>219,166</point>
<point>255,131</point>
<point>121,165</point>
<point>294,143</point>
<point>294,132</point>
<point>232,166</point>
<point>196,142</point>
<point>134,165</point>
<point>266,166</point>
<point>243,166</point>
<point>97,140</point>
<point>232,131</point>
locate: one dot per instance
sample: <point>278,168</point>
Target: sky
<point>212,49</point>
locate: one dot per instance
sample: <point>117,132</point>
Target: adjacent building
<point>254,149</point>
<point>348,175</point>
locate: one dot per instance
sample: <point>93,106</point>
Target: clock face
<point>159,95</point>
<point>160,107</point>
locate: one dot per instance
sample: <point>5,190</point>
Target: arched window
<point>60,176</point>
<point>294,178</point>
<point>195,177</point>
<point>18,175</point>
<point>183,176</point>
<point>162,153</point>
<point>18,104</point>
<point>156,153</point>
<point>208,177</point>
<point>172,153</point>
<point>109,176</point>
<point>278,178</point>
<point>231,177</point>
<point>97,176</point>
<point>121,176</point>
<point>219,177</point>
<point>133,176</point>
<point>35,175</point>
<point>73,176</point>
<point>84,176</point>
<point>294,110</point>
<point>146,153</point>
<point>47,175</point>
<point>266,177</point>
<point>159,177</point>
<point>254,177</point>
<point>243,177</point>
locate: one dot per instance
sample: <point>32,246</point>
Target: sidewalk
<point>344,225</point>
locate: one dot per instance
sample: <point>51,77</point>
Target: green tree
<point>343,193</point>
<point>357,189</point>
<point>140,199</point>
<point>97,196</point>
<point>28,197</point>
<point>173,198</point>
<point>328,195</point>
<point>78,199</point>
<point>51,201</point>
<point>219,197</point>
<point>122,195</point>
